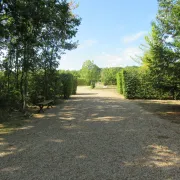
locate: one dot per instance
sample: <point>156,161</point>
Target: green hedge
<point>130,83</point>
<point>74,85</point>
<point>119,82</point>
<point>67,82</point>
<point>136,83</point>
<point>82,82</point>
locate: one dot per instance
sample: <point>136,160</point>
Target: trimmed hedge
<point>136,83</point>
<point>119,82</point>
<point>67,82</point>
<point>130,83</point>
<point>82,82</point>
<point>74,85</point>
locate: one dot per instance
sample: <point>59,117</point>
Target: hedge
<point>82,82</point>
<point>136,83</point>
<point>74,85</point>
<point>119,82</point>
<point>67,81</point>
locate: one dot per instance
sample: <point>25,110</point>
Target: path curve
<point>96,135</point>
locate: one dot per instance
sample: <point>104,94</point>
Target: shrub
<point>108,75</point>
<point>119,82</point>
<point>67,81</point>
<point>82,82</point>
<point>135,82</point>
<point>74,85</point>
<point>130,83</point>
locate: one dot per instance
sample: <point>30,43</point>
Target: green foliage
<point>137,83</point>
<point>130,82</point>
<point>108,75</point>
<point>90,72</point>
<point>163,54</point>
<point>74,85</point>
<point>82,82</point>
<point>34,34</point>
<point>119,82</point>
<point>68,83</point>
<point>93,85</point>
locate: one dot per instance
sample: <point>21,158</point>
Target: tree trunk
<point>23,101</point>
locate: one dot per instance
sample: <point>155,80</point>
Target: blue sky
<point>110,32</point>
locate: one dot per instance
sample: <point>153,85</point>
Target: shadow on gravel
<point>92,138</point>
<point>169,110</point>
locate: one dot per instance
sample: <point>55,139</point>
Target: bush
<point>130,83</point>
<point>74,85</point>
<point>119,82</point>
<point>67,81</point>
<point>82,82</point>
<point>137,83</point>
<point>108,75</point>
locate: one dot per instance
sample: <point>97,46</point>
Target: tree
<point>90,71</point>
<point>162,60</point>
<point>34,35</point>
<point>108,75</point>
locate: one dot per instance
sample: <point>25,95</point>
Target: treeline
<point>90,73</point>
<point>33,36</point>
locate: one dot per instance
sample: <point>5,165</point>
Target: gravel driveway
<point>96,135</point>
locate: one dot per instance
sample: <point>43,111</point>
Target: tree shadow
<point>93,138</point>
<point>169,110</point>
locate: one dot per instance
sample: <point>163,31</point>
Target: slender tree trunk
<point>22,90</point>
<point>17,70</point>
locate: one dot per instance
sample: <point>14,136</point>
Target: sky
<point>110,33</point>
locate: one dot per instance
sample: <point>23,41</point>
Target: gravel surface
<point>96,135</point>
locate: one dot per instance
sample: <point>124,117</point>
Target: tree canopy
<point>34,35</point>
<point>90,72</point>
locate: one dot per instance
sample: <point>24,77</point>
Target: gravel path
<point>96,135</point>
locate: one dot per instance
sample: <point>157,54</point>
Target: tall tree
<point>34,34</point>
<point>163,57</point>
<point>90,72</point>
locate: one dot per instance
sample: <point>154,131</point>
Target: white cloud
<point>121,58</point>
<point>124,58</point>
<point>134,37</point>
